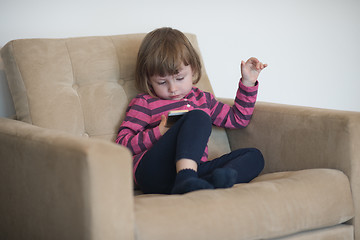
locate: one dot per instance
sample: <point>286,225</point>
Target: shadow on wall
<point>6,104</point>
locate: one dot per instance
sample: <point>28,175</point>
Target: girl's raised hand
<point>250,71</point>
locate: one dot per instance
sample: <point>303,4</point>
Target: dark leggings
<point>188,138</point>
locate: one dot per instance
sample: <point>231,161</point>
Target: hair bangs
<point>167,60</point>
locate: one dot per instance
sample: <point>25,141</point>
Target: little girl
<point>174,160</point>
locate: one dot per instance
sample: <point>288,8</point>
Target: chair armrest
<point>58,186</point>
<point>295,138</point>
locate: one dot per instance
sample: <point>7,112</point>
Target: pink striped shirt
<point>140,129</point>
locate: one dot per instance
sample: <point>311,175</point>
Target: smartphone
<point>173,116</point>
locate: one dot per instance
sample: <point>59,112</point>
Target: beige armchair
<point>62,177</point>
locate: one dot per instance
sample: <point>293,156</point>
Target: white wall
<point>312,47</point>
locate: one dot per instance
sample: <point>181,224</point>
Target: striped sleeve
<point>238,115</point>
<point>134,132</point>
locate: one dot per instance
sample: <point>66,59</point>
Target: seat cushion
<point>273,205</point>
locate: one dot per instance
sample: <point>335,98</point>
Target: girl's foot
<point>222,177</point>
<point>187,180</point>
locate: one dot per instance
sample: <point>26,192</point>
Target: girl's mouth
<point>175,97</point>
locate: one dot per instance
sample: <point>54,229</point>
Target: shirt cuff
<point>248,89</point>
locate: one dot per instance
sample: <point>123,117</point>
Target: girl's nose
<point>172,87</point>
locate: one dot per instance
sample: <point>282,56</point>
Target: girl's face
<point>173,87</point>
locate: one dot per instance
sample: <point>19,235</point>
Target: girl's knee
<point>200,117</point>
<point>199,114</point>
<point>258,157</point>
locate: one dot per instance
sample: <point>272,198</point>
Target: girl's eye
<point>161,83</point>
<point>180,78</point>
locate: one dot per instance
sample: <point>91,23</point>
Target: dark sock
<point>222,177</point>
<point>187,180</point>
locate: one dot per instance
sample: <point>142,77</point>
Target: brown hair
<point>162,51</point>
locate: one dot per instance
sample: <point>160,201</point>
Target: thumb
<point>242,66</point>
<point>163,120</point>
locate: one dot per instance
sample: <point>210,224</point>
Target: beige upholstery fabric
<point>84,75</point>
<point>58,186</point>
<point>294,138</point>
<point>61,180</point>
<point>249,211</point>
<point>340,232</point>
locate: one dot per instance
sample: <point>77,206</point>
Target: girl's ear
<point>149,84</point>
<point>194,81</point>
<point>195,77</point>
<point>150,87</point>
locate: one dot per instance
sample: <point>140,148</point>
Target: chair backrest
<point>81,85</point>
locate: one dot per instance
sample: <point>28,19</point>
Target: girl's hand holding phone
<point>162,126</point>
